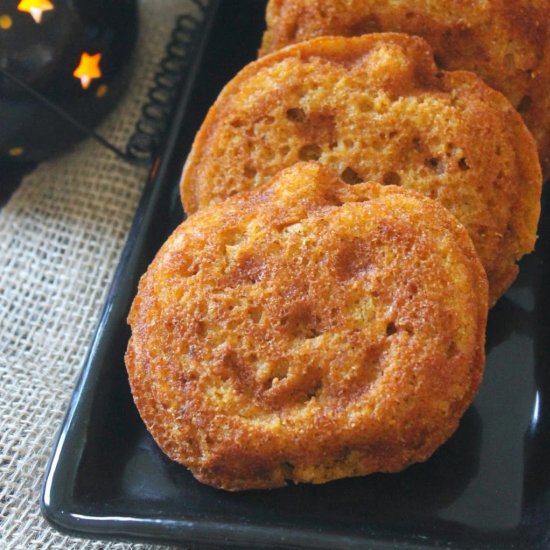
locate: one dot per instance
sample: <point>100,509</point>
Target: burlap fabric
<point>61,234</point>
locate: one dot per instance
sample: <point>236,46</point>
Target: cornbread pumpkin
<point>376,108</point>
<point>308,330</point>
<point>505,42</point>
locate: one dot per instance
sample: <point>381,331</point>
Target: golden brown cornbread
<point>375,108</point>
<point>506,42</point>
<point>308,330</point>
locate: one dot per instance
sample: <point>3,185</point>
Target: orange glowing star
<point>88,69</point>
<point>35,8</point>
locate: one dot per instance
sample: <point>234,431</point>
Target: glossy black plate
<point>488,487</point>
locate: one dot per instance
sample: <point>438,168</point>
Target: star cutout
<point>88,69</point>
<point>35,8</point>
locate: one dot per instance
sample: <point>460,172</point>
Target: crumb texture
<point>505,42</point>
<point>376,108</point>
<point>308,330</point>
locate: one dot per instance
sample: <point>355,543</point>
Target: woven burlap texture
<point>61,235</point>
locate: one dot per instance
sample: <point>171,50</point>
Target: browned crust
<point>454,117</point>
<point>308,330</point>
<point>505,42</point>
<point>333,49</point>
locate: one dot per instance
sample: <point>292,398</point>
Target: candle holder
<point>63,68</point>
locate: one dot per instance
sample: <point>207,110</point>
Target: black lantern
<point>60,56</point>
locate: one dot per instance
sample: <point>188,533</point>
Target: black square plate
<point>488,487</point>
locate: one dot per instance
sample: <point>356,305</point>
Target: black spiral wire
<point>155,115</point>
<point>161,98</point>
